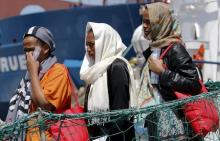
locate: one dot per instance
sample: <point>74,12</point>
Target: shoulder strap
<point>166,50</point>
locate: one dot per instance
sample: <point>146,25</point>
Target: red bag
<point>201,114</point>
<point>73,129</point>
<point>70,130</point>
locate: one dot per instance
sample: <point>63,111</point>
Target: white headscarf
<point>108,47</point>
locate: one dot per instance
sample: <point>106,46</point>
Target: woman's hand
<point>156,65</point>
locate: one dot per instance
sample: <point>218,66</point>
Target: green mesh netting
<point>154,123</point>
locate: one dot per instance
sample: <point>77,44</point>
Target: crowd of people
<point>111,82</point>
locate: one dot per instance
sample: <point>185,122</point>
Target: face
<point>90,43</point>
<point>146,23</point>
<point>31,43</point>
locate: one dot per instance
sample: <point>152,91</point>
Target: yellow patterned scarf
<point>164,27</point>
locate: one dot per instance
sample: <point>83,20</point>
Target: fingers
<point>29,55</point>
<point>161,61</point>
<point>150,59</point>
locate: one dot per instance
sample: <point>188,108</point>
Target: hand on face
<point>156,65</point>
<point>32,64</point>
<point>32,50</point>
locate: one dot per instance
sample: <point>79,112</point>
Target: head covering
<point>108,47</point>
<point>140,44</point>
<point>42,34</point>
<point>108,42</point>
<point>164,27</point>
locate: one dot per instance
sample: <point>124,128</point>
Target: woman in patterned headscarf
<point>180,73</point>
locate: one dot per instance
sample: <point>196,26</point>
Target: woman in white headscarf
<point>110,79</point>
